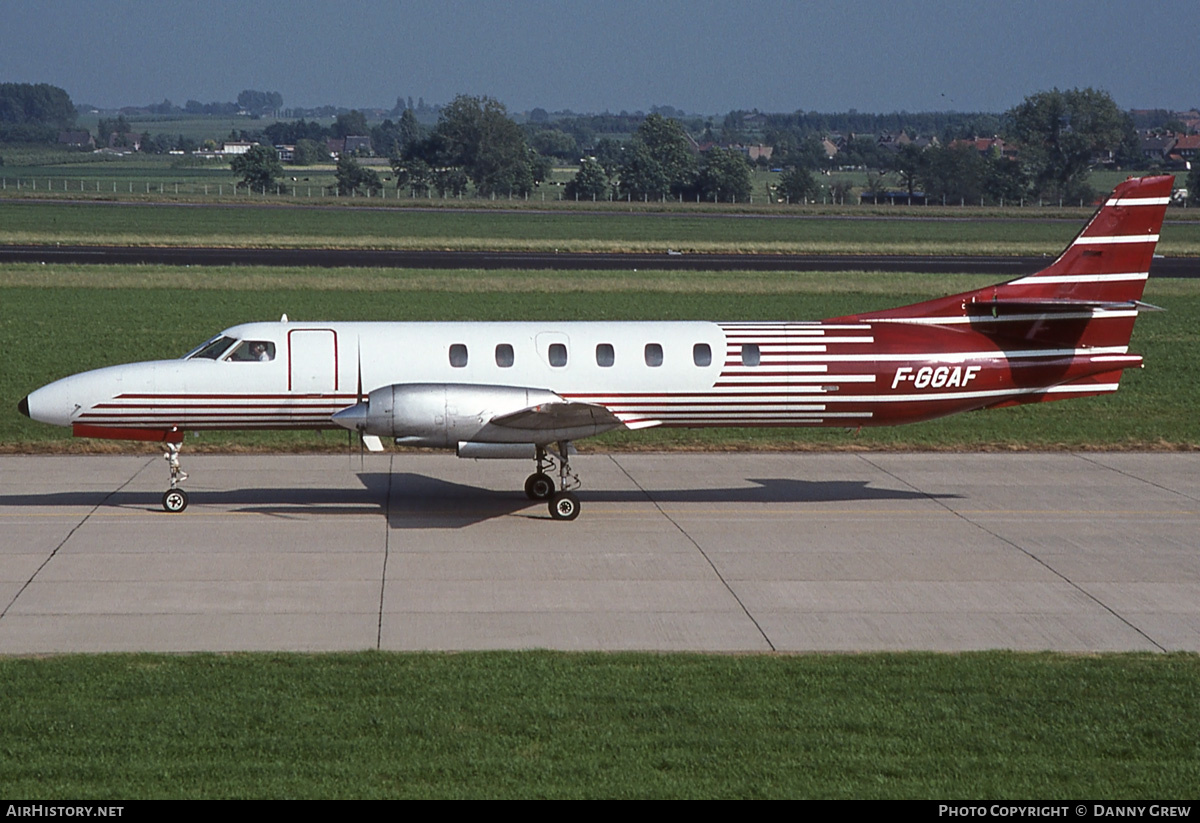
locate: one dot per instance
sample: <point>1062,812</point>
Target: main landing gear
<point>564,504</point>
<point>174,499</point>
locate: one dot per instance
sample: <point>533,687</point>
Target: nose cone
<point>23,406</point>
<point>353,418</point>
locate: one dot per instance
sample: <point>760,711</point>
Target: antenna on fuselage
<point>283,318</point>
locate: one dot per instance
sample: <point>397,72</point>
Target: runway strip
<point>731,553</point>
<point>1007,267</point>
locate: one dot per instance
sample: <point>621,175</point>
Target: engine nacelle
<point>441,415</point>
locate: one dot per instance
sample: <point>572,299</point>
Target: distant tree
<point>841,190</point>
<point>309,152</point>
<point>34,112</point>
<point>259,167</point>
<point>910,163</point>
<point>673,164</point>
<point>282,133</point>
<point>590,182</point>
<point>159,143</point>
<point>450,181</point>
<point>1060,132</point>
<point>353,178</point>
<point>609,154</point>
<point>724,176</point>
<point>260,102</point>
<point>1005,180</point>
<point>1193,185</point>
<point>796,184</point>
<point>642,175</point>
<point>555,143</point>
<point>957,173</point>
<point>353,123</point>
<point>476,135</point>
<point>865,152</point>
<point>540,166</point>
<point>411,132</point>
<point>539,115</point>
<point>412,175</point>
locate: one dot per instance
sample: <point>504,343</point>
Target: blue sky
<point>701,56</point>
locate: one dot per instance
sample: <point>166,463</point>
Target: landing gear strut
<point>539,485</point>
<point>174,499</point>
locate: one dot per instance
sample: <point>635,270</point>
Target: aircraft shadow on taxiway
<point>417,501</point>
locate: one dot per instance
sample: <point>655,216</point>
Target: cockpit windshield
<point>211,350</point>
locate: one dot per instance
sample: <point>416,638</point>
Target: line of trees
<point>1057,137</point>
<point>660,162</point>
<point>34,113</point>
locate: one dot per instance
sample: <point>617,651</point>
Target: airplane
<point>527,390</point>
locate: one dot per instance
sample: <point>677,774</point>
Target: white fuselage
<point>638,374</point>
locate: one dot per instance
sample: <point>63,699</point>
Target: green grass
<point>58,320</point>
<point>536,724</point>
<point>172,225</point>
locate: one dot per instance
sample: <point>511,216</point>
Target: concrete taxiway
<point>716,552</point>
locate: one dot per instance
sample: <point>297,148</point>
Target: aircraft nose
<point>23,406</point>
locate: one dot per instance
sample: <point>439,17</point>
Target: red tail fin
<point>1109,261</point>
<point>1087,297</point>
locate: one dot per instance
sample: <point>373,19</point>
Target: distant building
<point>128,140</point>
<point>350,145</point>
<point>76,139</point>
<point>1187,146</point>
<point>236,147</point>
<point>1156,147</point>
<point>989,145</point>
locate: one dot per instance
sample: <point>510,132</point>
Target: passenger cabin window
<point>253,351</point>
<point>458,355</point>
<point>504,355</point>
<point>604,355</point>
<point>702,354</point>
<point>213,350</point>
<point>750,354</point>
<point>654,355</point>
<point>558,355</point>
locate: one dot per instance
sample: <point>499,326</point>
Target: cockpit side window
<point>213,350</point>
<point>253,351</point>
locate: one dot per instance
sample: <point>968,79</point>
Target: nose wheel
<point>564,506</point>
<point>174,499</point>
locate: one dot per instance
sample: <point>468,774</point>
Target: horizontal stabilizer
<point>1052,305</point>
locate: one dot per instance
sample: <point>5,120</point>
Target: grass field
<point>61,320</point>
<point>174,225</point>
<point>516,725</point>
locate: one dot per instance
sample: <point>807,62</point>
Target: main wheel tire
<point>564,506</point>
<point>539,486</point>
<point>174,500</point>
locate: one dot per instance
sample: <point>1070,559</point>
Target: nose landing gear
<point>174,499</point>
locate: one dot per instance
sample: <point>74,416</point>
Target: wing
<point>565,415</point>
